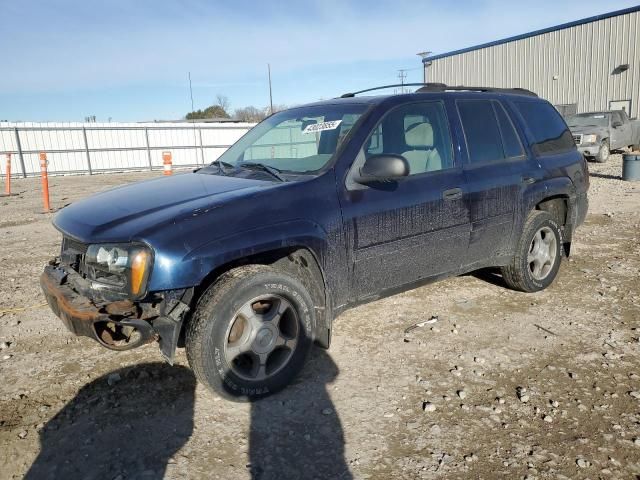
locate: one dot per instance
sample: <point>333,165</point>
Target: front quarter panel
<point>180,269</point>
<point>297,214</point>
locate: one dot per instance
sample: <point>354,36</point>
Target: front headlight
<point>119,267</point>
<point>592,138</point>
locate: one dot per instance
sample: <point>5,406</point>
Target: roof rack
<point>441,87</point>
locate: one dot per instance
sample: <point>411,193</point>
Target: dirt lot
<point>542,385</point>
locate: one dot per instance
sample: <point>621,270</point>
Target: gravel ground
<point>498,384</point>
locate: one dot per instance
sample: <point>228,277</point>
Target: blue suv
<point>247,261</point>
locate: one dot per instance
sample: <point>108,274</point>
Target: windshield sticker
<point>319,127</point>
<point>598,116</point>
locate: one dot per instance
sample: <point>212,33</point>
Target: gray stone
<point>582,463</point>
<point>428,407</point>
<point>113,378</point>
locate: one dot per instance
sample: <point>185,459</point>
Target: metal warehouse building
<point>586,65</point>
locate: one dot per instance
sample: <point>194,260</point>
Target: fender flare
<point>206,262</point>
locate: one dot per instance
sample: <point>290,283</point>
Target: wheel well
<point>558,207</point>
<point>299,262</point>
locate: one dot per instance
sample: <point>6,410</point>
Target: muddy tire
<point>250,333</point>
<point>538,254</point>
<point>603,153</point>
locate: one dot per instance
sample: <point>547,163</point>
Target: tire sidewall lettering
<point>299,299</point>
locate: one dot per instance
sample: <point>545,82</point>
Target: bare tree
<point>249,114</point>
<point>223,102</point>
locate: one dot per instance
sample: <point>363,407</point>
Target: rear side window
<point>550,133</point>
<point>489,131</point>
<point>481,130</point>
<point>512,145</point>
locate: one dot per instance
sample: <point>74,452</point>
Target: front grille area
<point>74,245</point>
<point>72,253</point>
<point>577,139</point>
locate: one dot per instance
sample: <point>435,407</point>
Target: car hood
<point>127,213</point>
<point>588,130</point>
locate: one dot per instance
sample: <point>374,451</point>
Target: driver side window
<point>419,132</point>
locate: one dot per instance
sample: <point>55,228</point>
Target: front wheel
<point>251,333</point>
<point>603,153</point>
<point>537,259</point>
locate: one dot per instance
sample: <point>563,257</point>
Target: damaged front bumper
<point>120,325</point>
<point>590,149</point>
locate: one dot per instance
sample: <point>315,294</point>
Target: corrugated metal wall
<point>583,58</point>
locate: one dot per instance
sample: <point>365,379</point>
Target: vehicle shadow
<point>605,176</point>
<point>127,423</point>
<point>490,275</point>
<point>297,433</point>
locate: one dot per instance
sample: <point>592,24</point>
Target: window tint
<point>510,139</point>
<point>550,133</point>
<point>419,132</point>
<point>481,130</point>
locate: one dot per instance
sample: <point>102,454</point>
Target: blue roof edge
<point>562,26</point>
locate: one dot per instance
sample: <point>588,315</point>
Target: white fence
<point>103,147</point>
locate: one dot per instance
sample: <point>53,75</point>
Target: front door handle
<point>452,194</point>
<point>528,180</point>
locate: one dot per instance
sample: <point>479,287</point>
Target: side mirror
<point>382,168</point>
<point>616,124</point>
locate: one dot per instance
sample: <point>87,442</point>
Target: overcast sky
<point>128,60</point>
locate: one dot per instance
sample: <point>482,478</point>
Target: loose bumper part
<point>114,326</point>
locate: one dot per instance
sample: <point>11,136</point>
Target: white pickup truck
<point>598,133</point>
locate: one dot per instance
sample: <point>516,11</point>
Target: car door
<point>496,171</point>
<point>623,133</point>
<point>415,228</point>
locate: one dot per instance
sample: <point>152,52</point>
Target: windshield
<point>300,140</point>
<point>588,120</point>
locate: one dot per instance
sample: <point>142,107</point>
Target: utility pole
<point>191,92</point>
<point>194,125</point>
<point>270,93</point>
<point>402,75</point>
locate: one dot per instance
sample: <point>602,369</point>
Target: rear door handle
<point>452,194</point>
<point>528,180</point>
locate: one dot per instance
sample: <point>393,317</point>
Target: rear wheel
<point>603,153</point>
<point>537,259</point>
<point>250,333</point>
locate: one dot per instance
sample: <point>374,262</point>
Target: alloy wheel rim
<point>262,337</point>
<point>542,253</point>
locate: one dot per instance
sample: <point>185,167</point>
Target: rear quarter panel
<point>563,174</point>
